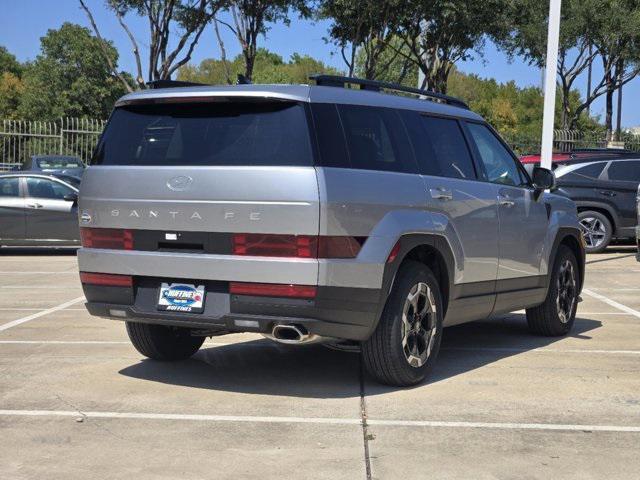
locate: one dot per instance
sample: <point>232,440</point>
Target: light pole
<point>553,40</point>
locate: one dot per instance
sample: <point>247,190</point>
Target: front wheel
<point>597,230</point>
<point>405,344</point>
<point>160,342</point>
<point>557,314</point>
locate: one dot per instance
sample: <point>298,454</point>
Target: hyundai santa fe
<point>319,213</point>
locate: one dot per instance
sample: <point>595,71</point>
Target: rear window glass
<point>450,147</point>
<point>225,133</point>
<point>626,171</point>
<point>588,172</point>
<point>376,139</point>
<point>9,187</point>
<point>59,163</point>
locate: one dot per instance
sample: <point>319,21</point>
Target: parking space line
<point>613,303</point>
<point>32,287</point>
<point>42,313</point>
<point>545,350</point>
<point>318,420</point>
<point>75,271</point>
<point>62,342</point>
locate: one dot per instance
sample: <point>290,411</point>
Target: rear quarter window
<point>207,134</point>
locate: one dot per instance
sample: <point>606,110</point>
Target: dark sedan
<point>54,163</point>
<point>38,209</point>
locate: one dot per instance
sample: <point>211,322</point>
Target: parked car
<point>605,193</point>
<point>38,209</point>
<point>578,155</point>
<point>638,226</point>
<point>54,163</point>
<point>319,213</point>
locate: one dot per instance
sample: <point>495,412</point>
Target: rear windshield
<point>225,133</point>
<point>59,163</point>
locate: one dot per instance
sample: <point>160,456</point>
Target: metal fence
<point>21,139</point>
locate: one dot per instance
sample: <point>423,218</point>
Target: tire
<point>384,356</point>
<point>159,342</point>
<point>597,230</point>
<point>556,316</point>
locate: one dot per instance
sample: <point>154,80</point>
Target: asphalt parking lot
<point>77,401</point>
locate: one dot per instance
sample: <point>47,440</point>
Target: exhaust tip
<point>292,334</point>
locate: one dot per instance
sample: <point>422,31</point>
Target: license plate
<point>181,297</point>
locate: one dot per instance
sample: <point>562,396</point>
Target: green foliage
<point>9,63</point>
<point>269,68</point>
<point>69,78</point>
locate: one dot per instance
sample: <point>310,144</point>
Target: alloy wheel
<point>419,325</point>
<point>566,287</point>
<point>594,231</point>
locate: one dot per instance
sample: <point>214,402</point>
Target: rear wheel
<point>558,312</point>
<point>406,342</point>
<point>160,342</point>
<point>597,230</point>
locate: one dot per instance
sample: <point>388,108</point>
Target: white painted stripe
<point>62,342</point>
<point>22,320</point>
<point>579,314</point>
<point>180,416</point>
<point>37,273</point>
<point>613,303</point>
<point>544,350</point>
<point>616,289</point>
<point>318,420</point>
<point>42,287</point>
<point>506,426</point>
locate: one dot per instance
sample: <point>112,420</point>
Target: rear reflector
<point>394,252</point>
<point>273,290</point>
<point>106,279</point>
<point>111,238</point>
<point>296,246</point>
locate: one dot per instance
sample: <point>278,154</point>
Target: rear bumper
<point>344,313</point>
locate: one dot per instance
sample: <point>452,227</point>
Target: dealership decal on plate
<point>181,297</point>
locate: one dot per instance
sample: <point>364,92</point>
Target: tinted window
<point>225,133</point>
<point>9,187</point>
<point>44,188</point>
<point>628,171</point>
<point>376,139</point>
<point>422,147</point>
<point>59,163</point>
<point>333,152</point>
<point>499,165</point>
<point>450,147</point>
<point>589,172</point>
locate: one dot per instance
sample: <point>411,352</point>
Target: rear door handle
<point>607,193</point>
<point>505,201</point>
<point>34,205</point>
<point>441,193</point>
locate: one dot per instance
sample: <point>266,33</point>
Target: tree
<point>9,63</point>
<point>70,77</point>
<point>11,86</point>
<point>439,33</point>
<point>164,17</point>
<point>268,68</point>
<point>390,66</point>
<point>362,30</point>
<point>250,19</point>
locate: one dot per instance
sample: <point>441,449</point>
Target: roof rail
<point>155,84</point>
<point>373,85</point>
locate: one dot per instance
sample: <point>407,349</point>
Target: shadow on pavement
<point>39,251</point>
<point>265,368</point>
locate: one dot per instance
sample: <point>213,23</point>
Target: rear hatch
<point>197,167</point>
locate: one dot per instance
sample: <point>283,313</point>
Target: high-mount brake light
<point>110,238</point>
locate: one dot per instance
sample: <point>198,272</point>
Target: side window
<point>422,148</point>
<point>9,187</point>
<point>589,172</point>
<point>331,146</point>
<point>450,147</point>
<point>44,188</point>
<point>376,139</point>
<point>500,166</point>
<point>624,170</point>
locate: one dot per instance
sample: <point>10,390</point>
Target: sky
<point>23,22</point>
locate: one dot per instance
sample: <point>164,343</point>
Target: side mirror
<point>543,179</point>
<point>71,197</point>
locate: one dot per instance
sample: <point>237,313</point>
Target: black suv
<point>605,193</point>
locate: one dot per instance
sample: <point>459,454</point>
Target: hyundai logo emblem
<point>179,183</point>
<point>85,217</point>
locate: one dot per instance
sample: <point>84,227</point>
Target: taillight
<point>296,246</point>
<point>111,238</point>
<point>272,290</point>
<point>106,279</point>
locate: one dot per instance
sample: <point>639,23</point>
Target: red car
<point>558,159</point>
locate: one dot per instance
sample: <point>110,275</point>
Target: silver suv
<point>319,214</point>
